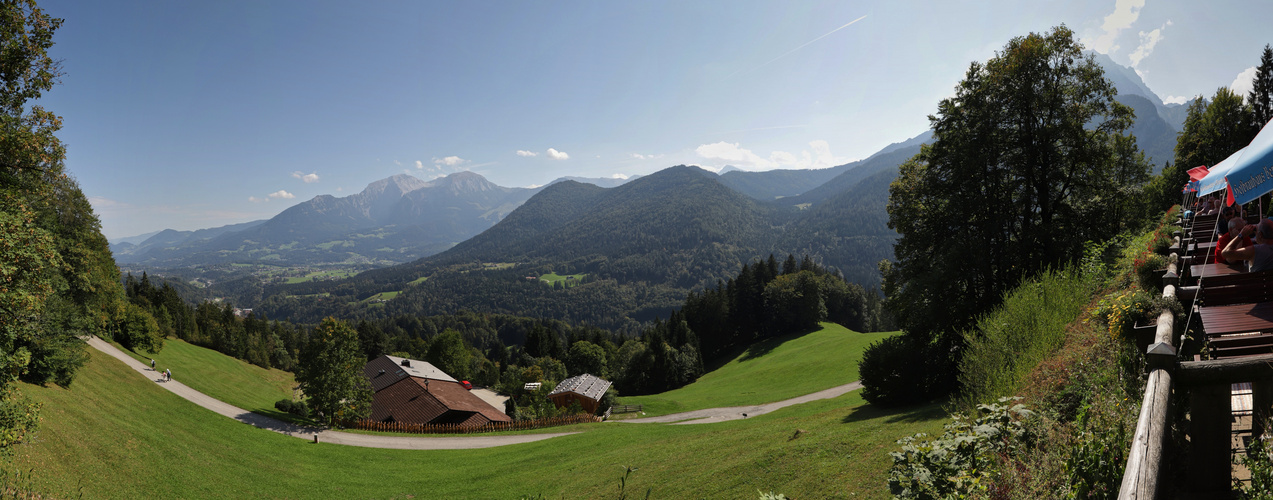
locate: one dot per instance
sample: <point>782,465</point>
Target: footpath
<point>309,433</point>
<point>740,412</point>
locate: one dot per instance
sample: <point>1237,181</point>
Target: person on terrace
<point>1260,254</point>
<point>1235,232</point>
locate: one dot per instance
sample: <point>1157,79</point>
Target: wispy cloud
<point>307,178</point>
<point>789,52</point>
<point>1147,42</point>
<point>557,155</point>
<point>419,165</point>
<point>523,152</point>
<point>1125,13</point>
<point>726,153</point>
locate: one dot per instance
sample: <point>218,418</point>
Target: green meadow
<point>222,377</point>
<point>769,371</point>
<point>115,434</point>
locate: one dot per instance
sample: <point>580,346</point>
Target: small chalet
<point>586,389</point>
<point>416,392</point>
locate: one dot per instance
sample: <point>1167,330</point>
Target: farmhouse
<point>586,389</point>
<point>416,392</point>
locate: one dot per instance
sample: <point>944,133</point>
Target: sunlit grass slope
<point>115,434</point>
<point>231,380</point>
<point>773,370</point>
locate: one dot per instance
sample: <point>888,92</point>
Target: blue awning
<point>1214,181</point>
<point>1252,174</point>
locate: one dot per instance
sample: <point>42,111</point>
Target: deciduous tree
<point>1024,166</point>
<point>330,373</point>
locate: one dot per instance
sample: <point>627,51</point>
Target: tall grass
<point>1027,328</point>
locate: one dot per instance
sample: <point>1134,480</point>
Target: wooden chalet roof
<point>585,385</point>
<point>420,400</point>
<point>387,370</point>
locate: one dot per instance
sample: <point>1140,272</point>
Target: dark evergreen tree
<point>1261,96</point>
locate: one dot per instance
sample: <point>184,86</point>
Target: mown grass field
<point>222,377</point>
<point>114,434</point>
<point>773,370</point>
<point>568,279</point>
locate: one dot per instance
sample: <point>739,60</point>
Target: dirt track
<point>740,412</point>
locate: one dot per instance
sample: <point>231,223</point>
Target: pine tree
<point>1261,96</point>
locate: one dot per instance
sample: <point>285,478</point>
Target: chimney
<point>406,363</point>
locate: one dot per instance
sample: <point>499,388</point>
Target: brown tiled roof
<point>585,385</point>
<point>386,370</point>
<point>438,401</point>
<point>406,402</point>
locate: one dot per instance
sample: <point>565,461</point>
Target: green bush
<point>905,369</point>
<point>298,408</point>
<point>963,460</point>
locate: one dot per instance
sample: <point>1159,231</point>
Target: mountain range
<point>461,242</point>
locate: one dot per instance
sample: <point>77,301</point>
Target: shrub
<point>298,408</point>
<point>961,461</point>
<point>1148,268</point>
<point>905,369</point>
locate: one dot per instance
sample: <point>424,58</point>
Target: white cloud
<point>254,199</point>
<point>1175,99</point>
<point>281,194</point>
<point>419,165</point>
<point>1125,13</point>
<point>557,155</point>
<point>619,176</point>
<point>523,152</point>
<point>733,154</point>
<point>307,178</point>
<point>1146,47</point>
<point>1244,82</point>
<point>450,161</point>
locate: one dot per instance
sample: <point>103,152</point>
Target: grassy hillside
<point>773,370</point>
<point>222,377</point>
<point>117,435</point>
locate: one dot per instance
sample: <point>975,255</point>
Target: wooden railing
<point>1207,385</point>
<point>372,425</point>
<point>1140,478</point>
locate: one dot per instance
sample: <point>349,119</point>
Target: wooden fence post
<point>1209,430</point>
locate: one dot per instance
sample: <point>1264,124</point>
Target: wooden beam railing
<point>1140,478</point>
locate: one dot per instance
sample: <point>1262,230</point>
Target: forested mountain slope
<point>641,246</point>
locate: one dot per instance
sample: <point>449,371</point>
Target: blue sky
<point>188,115</point>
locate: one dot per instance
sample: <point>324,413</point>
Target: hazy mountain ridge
<point>396,219</point>
<point>643,246</point>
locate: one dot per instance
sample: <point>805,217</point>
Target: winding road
<point>436,443</point>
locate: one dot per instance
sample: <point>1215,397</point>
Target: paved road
<point>308,433</point>
<point>740,412</point>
